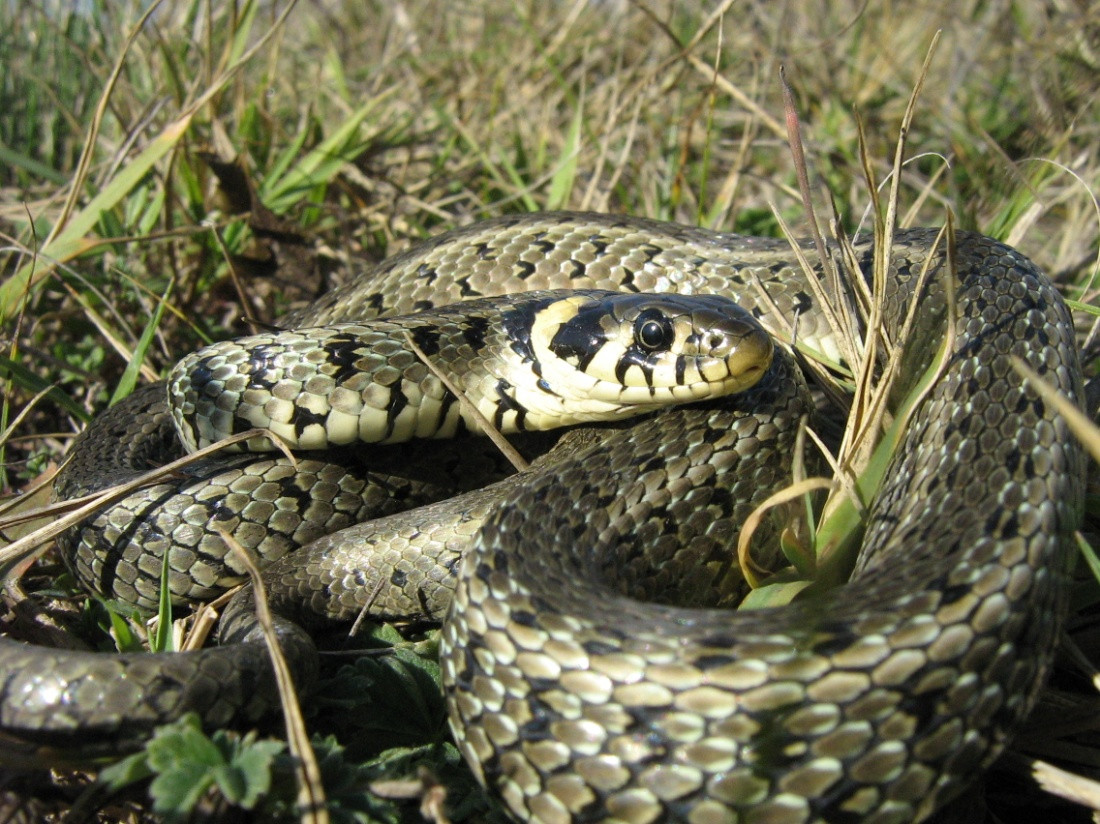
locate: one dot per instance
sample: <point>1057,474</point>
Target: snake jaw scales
<point>573,698</point>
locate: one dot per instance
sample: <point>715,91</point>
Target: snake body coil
<point>575,700</point>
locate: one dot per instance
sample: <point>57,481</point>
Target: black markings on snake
<point>537,728</point>
<point>580,337</point>
<point>453,564</point>
<point>524,269</point>
<point>628,284</point>
<point>343,353</point>
<point>474,332</point>
<point>427,273</point>
<point>200,375</point>
<point>633,356</point>
<point>599,243</point>
<point>544,247</point>
<point>465,289</point>
<point>803,303</point>
<point>300,491</point>
<point>507,403</point>
<point>427,338</point>
<point>241,424</point>
<point>597,648</point>
<point>303,418</point>
<point>517,323</point>
<point>376,303</point>
<point>445,403</point>
<point>261,361</point>
<point>397,403</point>
<point>525,618</point>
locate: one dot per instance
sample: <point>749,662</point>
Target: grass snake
<point>571,693</point>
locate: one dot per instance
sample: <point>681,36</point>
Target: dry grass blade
<point>486,425</point>
<point>24,412</point>
<point>1079,424</point>
<point>846,338</point>
<point>311,791</point>
<point>869,405</point>
<point>1054,780</point>
<point>783,496</point>
<point>847,333</point>
<point>77,185</point>
<point>78,509</point>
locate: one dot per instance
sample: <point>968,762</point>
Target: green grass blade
<point>161,641</point>
<point>9,157</point>
<point>130,375</point>
<point>71,241</point>
<point>19,374</point>
<point>561,184</point>
<point>317,167</point>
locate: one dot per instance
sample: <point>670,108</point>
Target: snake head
<point>647,349</point>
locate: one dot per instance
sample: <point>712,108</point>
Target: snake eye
<point>653,331</point>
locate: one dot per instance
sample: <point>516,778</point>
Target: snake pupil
<point>653,331</point>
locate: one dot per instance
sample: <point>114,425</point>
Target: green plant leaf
<point>129,770</point>
<point>248,776</point>
<point>187,763</point>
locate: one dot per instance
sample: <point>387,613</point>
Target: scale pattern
<point>574,699</point>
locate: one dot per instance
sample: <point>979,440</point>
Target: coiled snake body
<point>573,698</point>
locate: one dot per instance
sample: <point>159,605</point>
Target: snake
<point>592,666</point>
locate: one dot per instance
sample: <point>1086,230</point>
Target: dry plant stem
<point>90,143</point>
<point>852,283</point>
<point>798,155</point>
<point>864,438</point>
<point>869,404</point>
<point>727,87</point>
<point>928,189</point>
<point>238,287</point>
<point>827,303</point>
<point>364,613</point>
<point>951,314</point>
<point>203,620</point>
<point>90,504</point>
<point>1054,780</point>
<point>844,327</point>
<point>311,791</point>
<point>1078,656</point>
<point>506,449</point>
<point>21,416</point>
<point>845,479</point>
